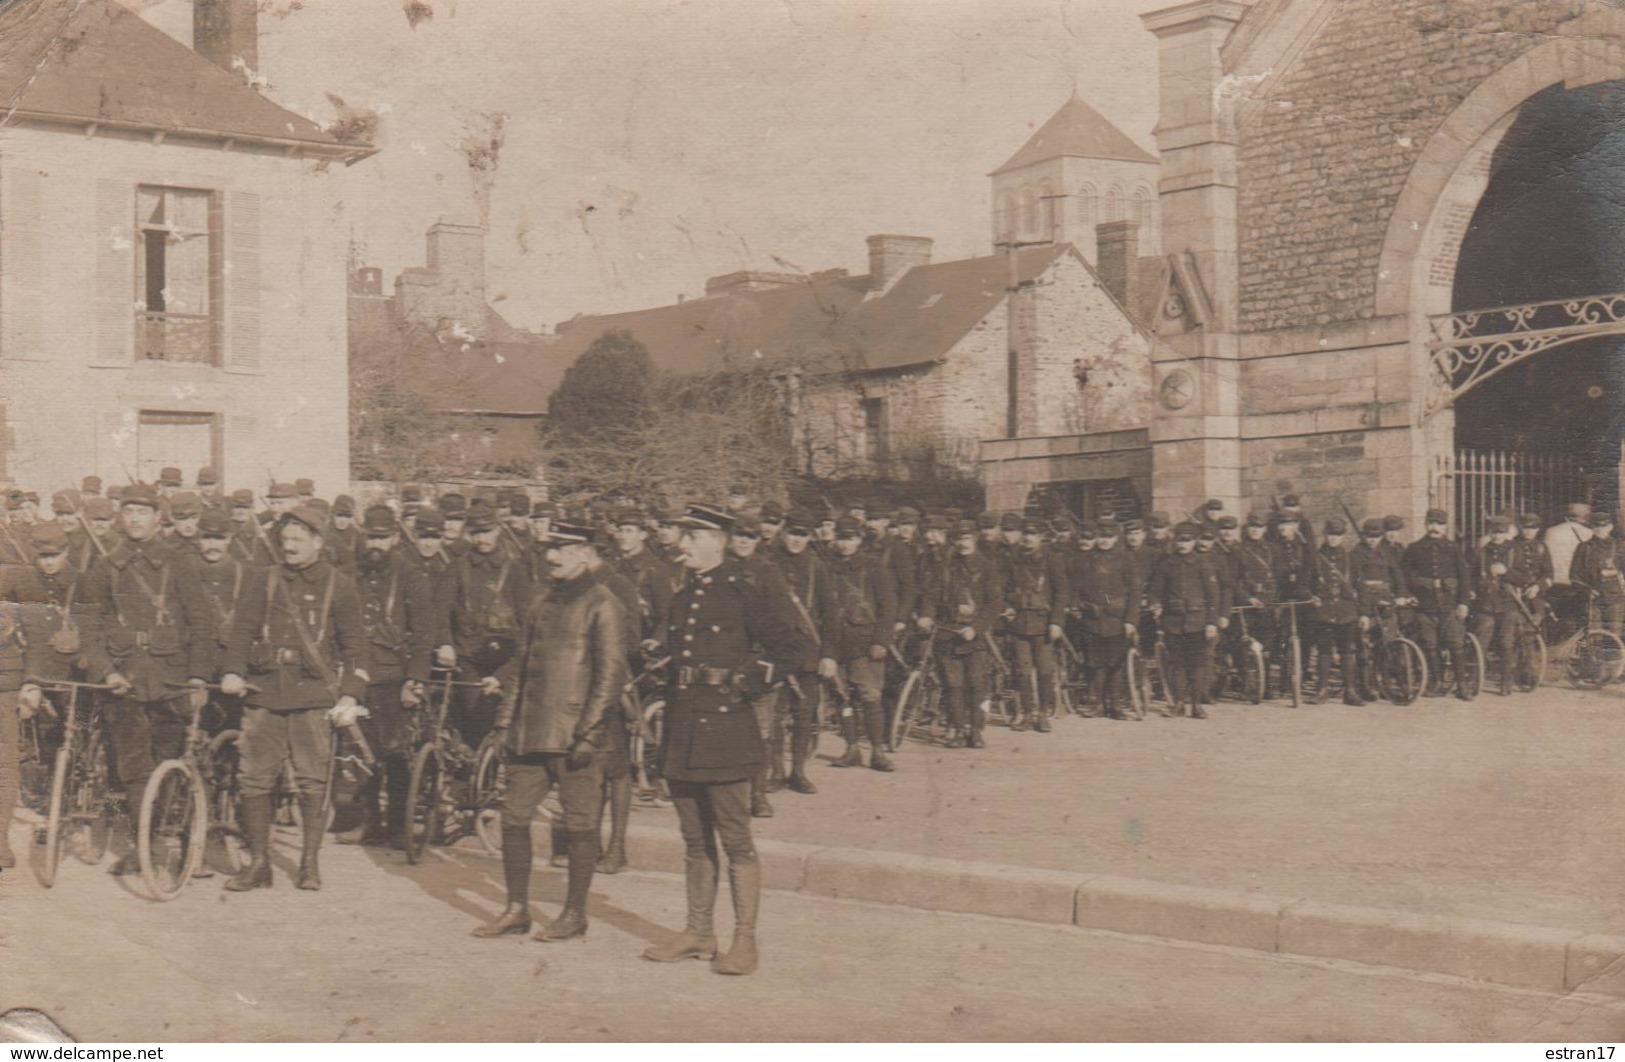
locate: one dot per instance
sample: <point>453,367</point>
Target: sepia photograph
<point>812,521</point>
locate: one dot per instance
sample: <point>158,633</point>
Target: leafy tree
<point>606,391</point>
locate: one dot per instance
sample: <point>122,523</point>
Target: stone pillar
<point>1118,256</point>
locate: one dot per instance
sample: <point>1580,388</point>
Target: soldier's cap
<point>1500,523</point>
<point>1034,525</point>
<point>1578,510</point>
<point>305,486</point>
<point>1436,516</point>
<point>519,504</point>
<point>208,476</point>
<point>1257,519</point>
<point>214,523</point>
<point>1393,523</point>
<point>99,509</point>
<point>1290,501</point>
<point>799,522</point>
<point>625,517</point>
<point>1373,526</point>
<point>908,515</point>
<point>1107,529</point>
<point>747,524</point>
<point>139,494</point>
<point>451,501</point>
<point>242,499</point>
<point>1208,533</point>
<point>569,533</point>
<point>1087,532</point>
<point>378,520</point>
<point>282,490</point>
<point>1529,520</point>
<point>307,515</point>
<point>64,502</point>
<point>1213,505</point>
<point>879,514</point>
<point>1287,518</point>
<point>665,517</point>
<point>705,517</point>
<point>344,505</point>
<point>411,493</point>
<point>170,477</point>
<point>185,505</point>
<point>1158,520</point>
<point>966,527</point>
<point>48,537</point>
<point>1334,526</point>
<point>431,523</point>
<point>1133,525</point>
<point>481,517</point>
<point>987,520</point>
<point>935,522</point>
<point>1010,522</point>
<point>1061,523</point>
<point>323,504</point>
<point>1228,523</point>
<point>1187,531</point>
<point>772,513</point>
<point>1600,519</point>
<point>849,527</point>
<point>91,484</point>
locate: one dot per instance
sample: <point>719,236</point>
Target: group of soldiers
<point>302,614</point>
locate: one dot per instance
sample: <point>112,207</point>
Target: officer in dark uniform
<point>299,640</point>
<point>1035,608</point>
<point>1337,620</point>
<point>968,603</point>
<point>1105,590</point>
<point>711,745</point>
<point>1184,596</point>
<point>1207,548</point>
<point>866,607</point>
<point>1438,576</point>
<point>1498,618</point>
<point>1295,581</point>
<point>744,542</point>
<point>486,590</point>
<point>1599,569</point>
<point>650,575</point>
<point>402,627</point>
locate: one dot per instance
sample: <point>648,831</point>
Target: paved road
<point>383,954</point>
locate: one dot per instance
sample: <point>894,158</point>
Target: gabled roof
<point>94,62</point>
<point>1079,131</point>
<point>827,322</point>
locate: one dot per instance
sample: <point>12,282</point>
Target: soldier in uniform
<point>1106,591</point>
<point>299,640</point>
<point>486,592</point>
<point>402,626</point>
<point>772,518</point>
<point>90,487</point>
<point>208,486</point>
<point>1498,617</point>
<point>48,630</point>
<point>711,746</point>
<point>968,601</point>
<point>1184,596</point>
<point>865,608</point>
<point>1159,535</point>
<point>170,481</point>
<point>1337,618</point>
<point>1295,581</point>
<point>157,632</point>
<point>743,542</point>
<point>1035,609</point>
<point>1207,543</point>
<point>223,577</point>
<point>185,508</point>
<point>652,576</point>
<point>1292,508</point>
<point>252,542</point>
<point>1597,568</point>
<point>343,538</point>
<point>1438,576</point>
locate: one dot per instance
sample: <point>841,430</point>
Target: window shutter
<point>242,443</point>
<point>242,287</point>
<point>115,274</point>
<point>116,445</point>
<point>22,287</point>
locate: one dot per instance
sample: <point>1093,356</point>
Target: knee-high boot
<point>613,860</point>
<point>572,921</point>
<point>257,811</point>
<point>699,938</point>
<point>745,882</point>
<point>313,819</point>
<point>853,756</point>
<point>516,857</point>
<point>874,721</point>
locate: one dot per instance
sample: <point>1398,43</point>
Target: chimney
<point>227,34</point>
<point>892,256</point>
<point>367,280</point>
<point>1117,259</point>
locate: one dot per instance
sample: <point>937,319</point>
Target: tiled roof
<point>1079,131</point>
<point>94,61</point>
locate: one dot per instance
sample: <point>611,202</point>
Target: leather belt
<point>706,676</point>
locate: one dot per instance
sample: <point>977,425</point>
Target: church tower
<point>1076,172</point>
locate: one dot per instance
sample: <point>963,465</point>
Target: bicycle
<point>918,706</point>
<point>1292,676</point>
<point>189,802</point>
<point>1593,656</point>
<point>448,791</point>
<point>81,800</point>
<point>1395,666</point>
<point>1249,675</point>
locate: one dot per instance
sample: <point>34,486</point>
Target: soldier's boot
<point>123,831</point>
<point>1435,664</point>
<point>1323,679</point>
<point>257,810</point>
<point>699,938</point>
<point>558,846</point>
<point>775,758</point>
<point>1351,692</point>
<point>759,806</point>
<point>977,719</point>
<point>801,744</point>
<point>314,823</point>
<point>613,861</point>
<point>516,856</point>
<point>1041,719</point>
<point>874,721</point>
<point>370,829</point>
<point>396,783</point>
<point>572,921</point>
<point>745,882</point>
<point>853,756</point>
<point>1504,683</point>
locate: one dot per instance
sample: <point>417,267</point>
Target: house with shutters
<point>172,255</point>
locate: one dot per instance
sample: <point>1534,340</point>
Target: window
<point>177,267</point>
<point>165,439</point>
<point>875,431</point>
<point>1145,213</point>
<point>1005,221</point>
<point>1114,204</point>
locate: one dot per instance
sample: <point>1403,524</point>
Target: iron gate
<point>1473,485</point>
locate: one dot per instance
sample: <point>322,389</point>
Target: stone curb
<point>1553,960</point>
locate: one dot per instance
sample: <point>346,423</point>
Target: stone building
<point>1353,183</point>
<point>171,266</point>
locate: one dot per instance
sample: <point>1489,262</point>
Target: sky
<point>648,145</point>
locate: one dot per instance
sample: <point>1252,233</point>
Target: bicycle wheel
<point>1164,679</point>
<point>1135,674</point>
<point>1595,659</point>
<point>1404,671</point>
<point>1469,668</point>
<point>91,807</point>
<point>172,829</point>
<point>1530,654</point>
<point>1295,676</point>
<point>227,848</point>
<point>424,806</point>
<point>486,792</point>
<point>61,784</point>
<point>1252,673</point>
<point>909,703</point>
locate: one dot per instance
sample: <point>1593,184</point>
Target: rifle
<point>127,475</point>
<point>1354,525</point>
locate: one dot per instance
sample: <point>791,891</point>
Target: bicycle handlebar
<point>215,686</point>
<point>64,684</point>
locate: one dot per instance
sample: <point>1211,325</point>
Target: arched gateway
<point>1410,310</point>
